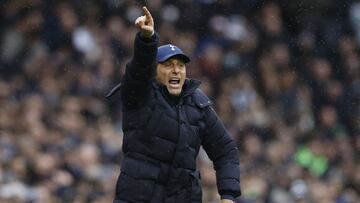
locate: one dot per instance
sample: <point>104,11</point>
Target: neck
<point>173,99</point>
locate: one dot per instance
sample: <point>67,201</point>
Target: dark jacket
<point>162,137</point>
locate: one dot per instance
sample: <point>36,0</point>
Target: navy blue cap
<point>168,51</point>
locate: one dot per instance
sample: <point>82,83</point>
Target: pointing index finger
<point>146,12</point>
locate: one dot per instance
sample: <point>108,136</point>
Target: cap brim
<point>182,57</point>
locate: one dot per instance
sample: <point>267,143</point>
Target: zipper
<point>178,107</point>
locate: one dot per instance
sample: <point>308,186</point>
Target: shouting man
<point>166,118</point>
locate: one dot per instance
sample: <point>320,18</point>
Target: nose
<point>176,69</point>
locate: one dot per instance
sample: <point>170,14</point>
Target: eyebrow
<point>173,62</point>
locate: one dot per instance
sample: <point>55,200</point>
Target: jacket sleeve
<point>222,150</point>
<point>139,73</point>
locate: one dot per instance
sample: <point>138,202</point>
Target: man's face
<point>172,74</point>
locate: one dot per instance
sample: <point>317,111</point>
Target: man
<point>165,120</point>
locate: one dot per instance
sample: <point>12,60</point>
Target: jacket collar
<point>190,86</point>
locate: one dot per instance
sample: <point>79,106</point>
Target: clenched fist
<point>145,23</point>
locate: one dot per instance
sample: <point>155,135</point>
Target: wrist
<point>147,40</point>
<point>146,34</point>
<point>227,201</point>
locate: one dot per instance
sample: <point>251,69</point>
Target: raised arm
<point>140,71</point>
<point>223,151</point>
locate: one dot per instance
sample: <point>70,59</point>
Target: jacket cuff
<point>152,39</point>
<point>146,48</point>
<point>226,196</point>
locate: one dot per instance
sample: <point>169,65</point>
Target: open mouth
<point>174,82</point>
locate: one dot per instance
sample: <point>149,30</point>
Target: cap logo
<point>172,47</point>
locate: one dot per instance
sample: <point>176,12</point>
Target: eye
<point>167,64</point>
<point>182,65</point>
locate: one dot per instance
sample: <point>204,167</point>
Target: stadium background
<point>285,77</point>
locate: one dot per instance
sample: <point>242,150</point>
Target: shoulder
<point>200,99</point>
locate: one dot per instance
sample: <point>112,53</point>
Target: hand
<point>145,23</point>
<point>226,201</point>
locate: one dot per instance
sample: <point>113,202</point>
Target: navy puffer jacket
<point>162,138</point>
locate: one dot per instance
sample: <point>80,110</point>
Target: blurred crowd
<point>284,75</point>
